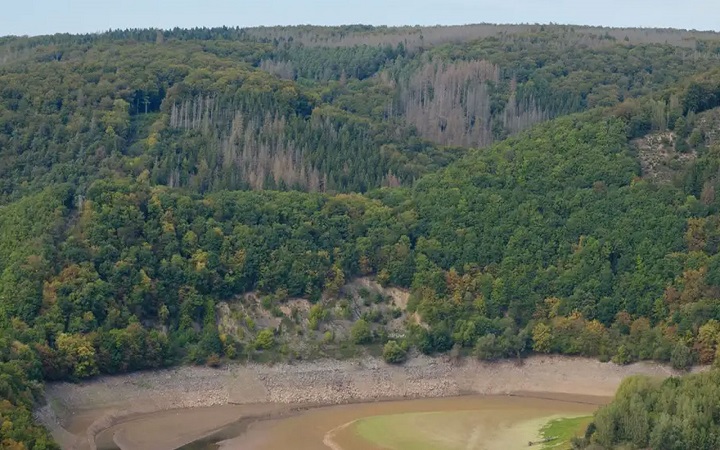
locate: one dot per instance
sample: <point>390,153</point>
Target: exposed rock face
<point>292,315</point>
<point>659,159</point>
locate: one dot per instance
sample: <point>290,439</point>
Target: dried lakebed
<point>171,408</point>
<point>453,423</point>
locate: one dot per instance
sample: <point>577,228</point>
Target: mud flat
<point>115,411</point>
<point>473,422</point>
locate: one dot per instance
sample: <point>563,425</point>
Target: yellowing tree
<point>696,234</point>
<point>334,280</point>
<point>542,338</point>
<point>707,340</point>
<point>79,352</point>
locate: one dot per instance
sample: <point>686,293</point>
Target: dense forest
<point>546,189</point>
<point>674,414</point>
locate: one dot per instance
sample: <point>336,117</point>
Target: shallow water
<point>174,428</point>
<point>469,423</point>
<point>487,422</point>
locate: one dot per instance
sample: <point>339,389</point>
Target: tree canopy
<point>503,176</point>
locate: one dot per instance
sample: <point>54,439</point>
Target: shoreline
<point>284,411</point>
<point>532,432</point>
<point>77,414</point>
<point>254,436</point>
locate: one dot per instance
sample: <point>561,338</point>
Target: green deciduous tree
<point>360,333</point>
<point>394,353</point>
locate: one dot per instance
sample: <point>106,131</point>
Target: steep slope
<point>553,230</point>
<point>144,221</point>
<point>215,109</point>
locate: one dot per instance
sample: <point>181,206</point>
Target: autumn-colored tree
<point>80,354</point>
<point>542,338</point>
<point>334,281</point>
<point>707,340</point>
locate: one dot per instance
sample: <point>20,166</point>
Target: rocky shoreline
<point>324,382</point>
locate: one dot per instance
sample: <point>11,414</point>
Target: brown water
<point>175,428</point>
<point>499,422</point>
<point>492,422</point>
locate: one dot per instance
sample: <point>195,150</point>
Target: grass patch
<point>467,429</point>
<point>413,431</point>
<point>563,430</point>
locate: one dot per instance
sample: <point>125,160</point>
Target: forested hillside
<point>219,109</point>
<point>676,414</point>
<point>195,196</point>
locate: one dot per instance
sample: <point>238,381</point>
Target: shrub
<point>328,337</point>
<point>213,361</point>
<point>393,353</point>
<point>360,332</point>
<point>317,315</point>
<point>267,303</point>
<point>264,340</point>
<point>487,348</point>
<point>681,357</point>
<point>622,356</point>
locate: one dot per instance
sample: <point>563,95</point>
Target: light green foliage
<point>561,432</point>
<point>250,323</point>
<point>317,315</point>
<point>396,431</point>
<point>435,430</point>
<point>394,353</point>
<point>345,310</point>
<point>622,356</point>
<point>328,337</point>
<point>265,339</point>
<point>229,349</point>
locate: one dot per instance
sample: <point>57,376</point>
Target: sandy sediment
<point>77,413</point>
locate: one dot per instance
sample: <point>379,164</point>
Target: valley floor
<point>81,415</point>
